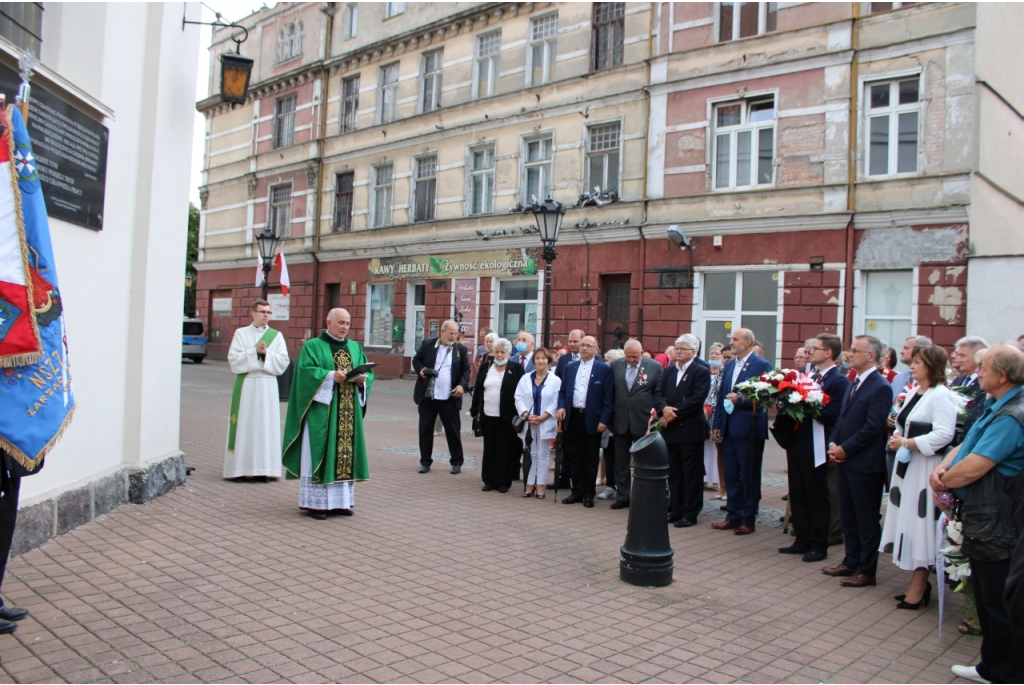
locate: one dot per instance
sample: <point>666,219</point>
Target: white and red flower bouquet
<point>795,394</point>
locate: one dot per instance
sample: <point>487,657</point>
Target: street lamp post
<point>267,243</point>
<point>549,221</point>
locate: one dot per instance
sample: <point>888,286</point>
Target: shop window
<point>430,81</point>
<point>517,307</point>
<point>608,33</point>
<point>343,201</point>
<point>387,94</point>
<point>744,144</point>
<point>744,19</point>
<point>537,169</point>
<point>425,190</point>
<point>383,194</point>
<point>280,216</point>
<point>350,104</point>
<point>745,299</point>
<point>893,116</point>
<point>603,157</point>
<point>481,180</point>
<point>488,62</point>
<point>284,121</point>
<point>351,21</point>
<point>543,50</point>
<point>888,303</point>
<point>22,24</point>
<point>378,330</point>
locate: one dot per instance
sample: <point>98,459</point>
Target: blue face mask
<point>521,347</point>
<point>500,362</point>
<point>715,363</point>
<point>729,406</point>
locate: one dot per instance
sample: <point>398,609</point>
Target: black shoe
<point>318,515</point>
<point>425,468</point>
<point>793,549</point>
<point>684,523</point>
<point>7,627</point>
<point>572,499</point>
<point>262,479</point>
<point>12,614</point>
<point>815,556</point>
<point>588,502</point>
<point>926,599</point>
<point>673,519</point>
<point>620,504</point>
<point>239,479</point>
<point>724,507</point>
<point>503,489</point>
<point>456,469</point>
<point>343,512</point>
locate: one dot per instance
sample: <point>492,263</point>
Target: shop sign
<point>221,306</point>
<point>511,262</point>
<point>280,307</point>
<point>465,306</point>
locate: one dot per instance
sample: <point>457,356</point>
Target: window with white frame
<point>387,94</point>
<point>481,180</point>
<point>537,169</point>
<point>488,62</point>
<point>425,189</point>
<point>22,24</point>
<point>893,123</point>
<point>543,49</point>
<point>284,121</point>
<point>888,303</point>
<point>430,81</point>
<point>393,9</point>
<point>381,319</point>
<point>603,157</point>
<point>350,104</point>
<point>744,19</point>
<point>351,21</point>
<point>744,144</point>
<point>747,299</point>
<point>608,34</point>
<point>517,307</point>
<point>343,186</point>
<point>289,41</point>
<point>383,195</point>
<point>279,218</point>
<point>886,6</point>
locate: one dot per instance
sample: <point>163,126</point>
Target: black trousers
<point>623,465</point>
<point>1002,645</point>
<point>860,499</point>
<point>582,455</point>
<point>808,499</point>
<point>449,413</point>
<point>609,464</point>
<point>686,480</point>
<point>561,469</point>
<point>500,461</point>
<point>8,518</point>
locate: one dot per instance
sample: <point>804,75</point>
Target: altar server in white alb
<point>258,355</point>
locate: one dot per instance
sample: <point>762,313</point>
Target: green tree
<point>192,255</point>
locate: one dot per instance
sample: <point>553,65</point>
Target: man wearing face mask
<point>447,363</point>
<point>742,431</point>
<point>524,351</point>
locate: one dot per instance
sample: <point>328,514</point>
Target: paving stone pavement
<point>433,580</point>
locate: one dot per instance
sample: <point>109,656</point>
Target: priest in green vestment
<point>324,440</point>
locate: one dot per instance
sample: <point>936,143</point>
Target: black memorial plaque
<point>70,148</point>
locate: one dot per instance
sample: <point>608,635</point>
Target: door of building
<point>415,317</point>
<point>616,293</point>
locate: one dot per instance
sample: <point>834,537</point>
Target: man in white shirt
<point>450,363</point>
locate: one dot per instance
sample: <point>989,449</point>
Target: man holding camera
<point>442,365</point>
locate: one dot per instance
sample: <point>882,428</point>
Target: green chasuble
<point>337,442</point>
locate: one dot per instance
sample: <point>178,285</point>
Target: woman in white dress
<point>929,416</point>
<point>536,402</point>
<point>712,448</point>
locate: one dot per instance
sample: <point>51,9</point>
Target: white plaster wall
<point>122,286</point>
<point>994,309</point>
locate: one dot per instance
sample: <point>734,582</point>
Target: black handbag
<point>477,430</point>
<point>784,430</point>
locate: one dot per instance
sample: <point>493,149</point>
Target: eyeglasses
<point>820,349</point>
<point>853,351</point>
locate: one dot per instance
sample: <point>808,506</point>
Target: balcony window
<point>383,194</point>
<point>284,121</point>
<point>350,104</point>
<point>481,181</point>
<point>280,215</point>
<point>387,94</point>
<point>608,33</point>
<point>488,62</point>
<point>603,157</point>
<point>425,191</point>
<point>343,184</point>
<point>543,50</point>
<point>430,81</point>
<point>537,169</point>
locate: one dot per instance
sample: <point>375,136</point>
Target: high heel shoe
<point>926,599</point>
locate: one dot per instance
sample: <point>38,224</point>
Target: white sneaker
<point>608,493</point>
<point>968,672</point>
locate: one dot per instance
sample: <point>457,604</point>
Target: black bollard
<point>647,555</point>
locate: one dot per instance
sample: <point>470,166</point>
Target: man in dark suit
<point>10,489</point>
<point>523,349</point>
<point>680,398</point>
<point>808,477</point>
<point>963,357</point>
<point>858,445</point>
<point>742,432</point>
<point>450,360</point>
<point>585,403</point>
<point>636,380</point>
<point>573,343</point>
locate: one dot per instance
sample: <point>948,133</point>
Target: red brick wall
<point>811,301</point>
<point>942,302</point>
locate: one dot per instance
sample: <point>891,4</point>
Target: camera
<point>431,375</point>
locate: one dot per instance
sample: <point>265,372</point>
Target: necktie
<point>856,385</point>
<point>631,372</point>
<point>575,357</point>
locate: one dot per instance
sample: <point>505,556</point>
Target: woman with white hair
<point>536,403</point>
<point>713,450</point>
<point>494,404</point>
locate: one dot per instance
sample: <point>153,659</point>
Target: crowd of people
<point>944,437</point>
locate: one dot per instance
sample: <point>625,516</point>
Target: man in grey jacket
<point>636,379</point>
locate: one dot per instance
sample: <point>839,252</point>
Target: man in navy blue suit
<point>573,343</point>
<point>807,461</point>
<point>858,446</point>
<point>585,403</point>
<point>742,432</point>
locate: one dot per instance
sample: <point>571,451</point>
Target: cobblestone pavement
<point>433,580</point>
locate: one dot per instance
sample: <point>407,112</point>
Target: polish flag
<point>282,266</point>
<point>19,338</point>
